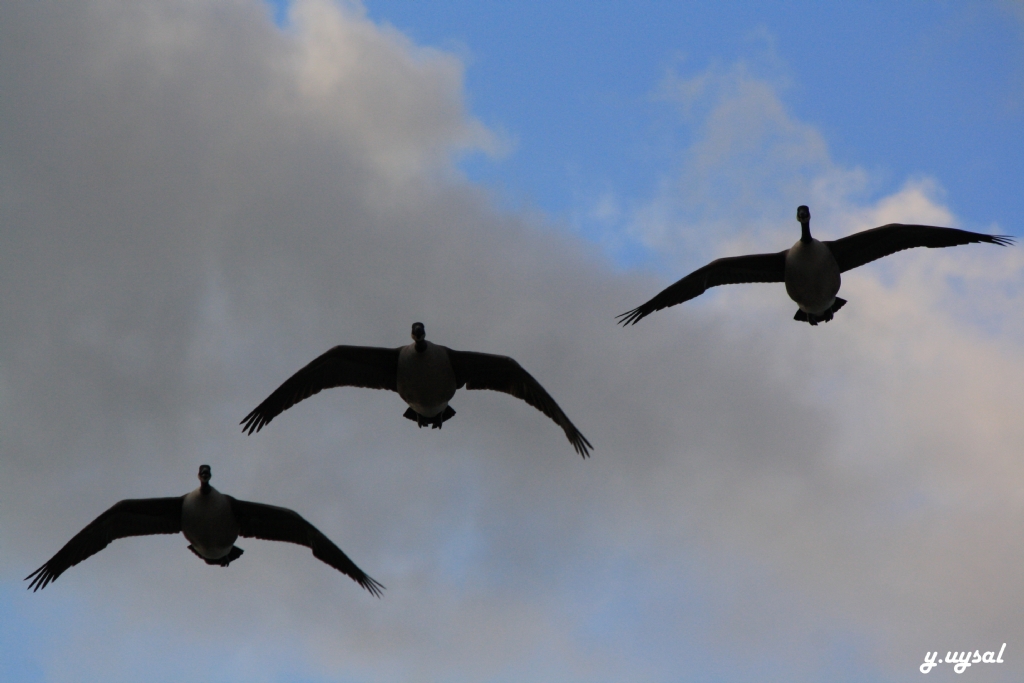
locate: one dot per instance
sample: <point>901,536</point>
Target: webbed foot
<point>434,422</point>
<point>823,317</point>
<point>235,553</point>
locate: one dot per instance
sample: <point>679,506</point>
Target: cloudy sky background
<point>196,198</point>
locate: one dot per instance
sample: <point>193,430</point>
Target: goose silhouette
<point>210,520</point>
<point>424,374</point>
<point>810,268</point>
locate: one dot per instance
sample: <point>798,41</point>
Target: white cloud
<point>406,112</point>
<point>917,377</point>
<point>749,158</point>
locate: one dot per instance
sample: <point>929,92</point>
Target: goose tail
<point>824,317</point>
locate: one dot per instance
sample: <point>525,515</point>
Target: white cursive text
<point>961,660</point>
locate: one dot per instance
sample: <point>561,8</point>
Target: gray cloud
<point>195,204</point>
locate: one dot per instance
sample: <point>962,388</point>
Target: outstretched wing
<point>343,366</point>
<point>731,270</point>
<point>865,247</point>
<point>272,523</point>
<point>501,373</point>
<point>132,517</point>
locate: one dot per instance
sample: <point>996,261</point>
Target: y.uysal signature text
<point>961,660</point>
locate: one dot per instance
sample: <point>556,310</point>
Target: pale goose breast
<point>812,276</point>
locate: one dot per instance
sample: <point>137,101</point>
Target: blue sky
<point>907,89</point>
<point>198,200</point>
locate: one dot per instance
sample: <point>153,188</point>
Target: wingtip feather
<point>375,587</point>
<point>582,445</point>
<point>631,317</point>
<point>42,578</point>
<point>253,422</point>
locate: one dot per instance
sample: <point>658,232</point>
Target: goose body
<point>210,520</point>
<point>812,276</point>
<point>425,375</point>
<point>810,268</point>
<point>425,379</point>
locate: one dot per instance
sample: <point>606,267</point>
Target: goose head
<point>419,334</point>
<point>204,478</point>
<point>803,214</point>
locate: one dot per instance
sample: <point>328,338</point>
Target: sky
<point>197,198</point>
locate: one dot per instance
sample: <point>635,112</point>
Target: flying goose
<point>424,374</point>
<point>810,268</point>
<point>211,522</point>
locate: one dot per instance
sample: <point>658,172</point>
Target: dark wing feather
<point>501,373</point>
<point>272,523</point>
<point>133,517</point>
<point>370,367</point>
<point>866,246</point>
<point>731,270</point>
